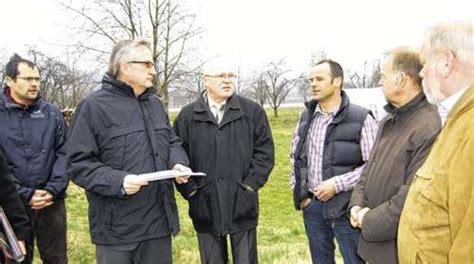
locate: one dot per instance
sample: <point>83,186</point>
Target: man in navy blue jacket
<point>120,131</point>
<point>32,134</point>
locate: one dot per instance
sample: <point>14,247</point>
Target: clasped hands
<point>357,215</point>
<point>132,184</point>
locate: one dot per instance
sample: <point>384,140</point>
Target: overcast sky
<point>253,32</point>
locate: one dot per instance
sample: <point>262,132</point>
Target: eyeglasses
<point>222,75</point>
<point>29,79</point>
<point>147,64</point>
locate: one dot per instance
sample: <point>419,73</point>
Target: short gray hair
<point>456,37</point>
<point>122,51</point>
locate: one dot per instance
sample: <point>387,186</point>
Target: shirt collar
<point>445,106</point>
<point>212,103</point>
<point>333,112</point>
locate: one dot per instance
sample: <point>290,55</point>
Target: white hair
<point>122,51</point>
<point>456,37</point>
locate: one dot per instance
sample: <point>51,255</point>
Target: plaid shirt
<point>317,134</point>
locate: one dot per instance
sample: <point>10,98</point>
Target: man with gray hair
<point>403,142</point>
<point>119,132</point>
<point>228,137</point>
<point>437,221</point>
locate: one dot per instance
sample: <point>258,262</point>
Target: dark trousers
<point>321,233</point>
<point>48,227</point>
<point>155,251</point>
<point>213,249</point>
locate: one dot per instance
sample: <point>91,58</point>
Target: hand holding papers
<point>132,184</point>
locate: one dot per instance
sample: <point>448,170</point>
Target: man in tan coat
<point>437,222</point>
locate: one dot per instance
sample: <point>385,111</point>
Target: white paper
<point>167,174</point>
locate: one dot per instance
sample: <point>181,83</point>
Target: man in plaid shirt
<point>330,147</point>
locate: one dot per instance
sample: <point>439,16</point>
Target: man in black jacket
<point>33,137</point>
<point>12,205</point>
<point>227,137</point>
<point>119,132</point>
<point>330,147</point>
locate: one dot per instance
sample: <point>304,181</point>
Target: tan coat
<point>437,222</point>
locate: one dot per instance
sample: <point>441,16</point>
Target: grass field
<point>281,234</point>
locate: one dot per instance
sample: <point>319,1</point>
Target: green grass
<point>281,234</point>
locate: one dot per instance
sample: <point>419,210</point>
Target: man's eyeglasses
<point>29,79</point>
<point>222,75</point>
<point>147,64</point>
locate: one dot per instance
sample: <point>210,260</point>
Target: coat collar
<point>232,110</point>
<point>116,86</point>
<point>465,102</point>
<point>9,103</point>
<point>413,104</point>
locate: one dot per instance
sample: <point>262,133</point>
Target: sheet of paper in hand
<point>167,174</point>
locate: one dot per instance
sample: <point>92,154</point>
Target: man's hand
<point>180,169</point>
<point>132,184</point>
<point>41,199</point>
<point>22,246</point>
<point>360,216</point>
<point>354,211</point>
<point>7,254</point>
<point>325,191</point>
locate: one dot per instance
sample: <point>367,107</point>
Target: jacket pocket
<point>200,207</point>
<point>245,203</point>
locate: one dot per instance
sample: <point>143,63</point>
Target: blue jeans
<point>321,234</point>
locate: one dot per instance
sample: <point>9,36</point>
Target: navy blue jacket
<point>10,201</point>
<point>113,134</point>
<point>33,139</point>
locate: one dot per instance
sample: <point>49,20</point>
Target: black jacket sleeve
<point>180,130</point>
<point>177,153</point>
<point>11,203</point>
<point>83,163</point>
<point>58,181</point>
<point>263,158</point>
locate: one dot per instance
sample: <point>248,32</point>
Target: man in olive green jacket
<point>403,143</point>
<point>437,222</point>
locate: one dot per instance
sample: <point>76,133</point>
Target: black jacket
<point>341,154</point>
<point>236,154</point>
<point>114,134</point>
<point>11,203</point>
<point>34,141</point>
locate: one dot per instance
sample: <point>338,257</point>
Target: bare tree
<point>254,88</point>
<point>3,64</point>
<point>366,77</point>
<point>61,83</point>
<point>166,22</point>
<point>303,86</point>
<point>277,86</point>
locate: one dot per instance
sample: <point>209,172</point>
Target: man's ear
<point>124,69</point>
<point>449,60</point>
<point>337,81</point>
<point>9,81</point>
<point>401,79</point>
